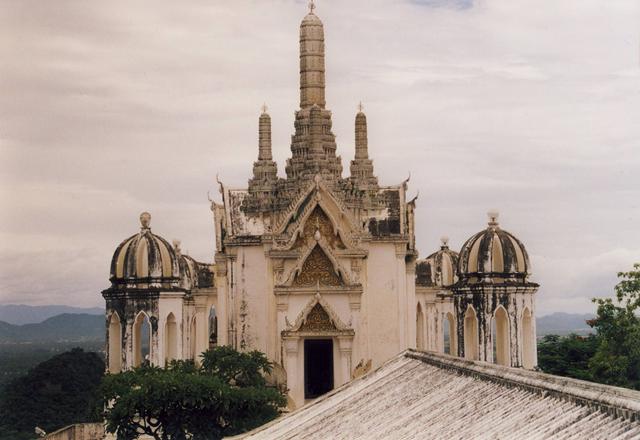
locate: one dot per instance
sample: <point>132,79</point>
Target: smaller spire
<point>264,108</point>
<point>264,135</point>
<point>145,221</point>
<point>362,144</point>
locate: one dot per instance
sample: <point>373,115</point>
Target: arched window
<point>170,339</point>
<point>141,339</point>
<point>528,343</point>
<point>192,339</point>
<point>213,327</point>
<point>500,337</point>
<point>470,334</point>
<point>115,344</point>
<point>419,328</point>
<point>449,334</point>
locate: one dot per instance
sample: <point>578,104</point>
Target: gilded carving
<point>317,268</point>
<point>318,320</point>
<point>318,221</point>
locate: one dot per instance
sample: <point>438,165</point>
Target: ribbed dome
<point>145,258</point>
<point>493,253</point>
<point>188,272</point>
<point>444,265</point>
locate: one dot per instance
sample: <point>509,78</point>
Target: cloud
<point>112,108</point>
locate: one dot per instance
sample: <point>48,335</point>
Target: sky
<point>108,109</point>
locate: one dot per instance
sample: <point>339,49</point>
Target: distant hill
<point>563,324</point>
<point>61,328</point>
<point>19,314</point>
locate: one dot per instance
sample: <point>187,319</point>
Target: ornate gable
<point>317,269</point>
<point>319,203</point>
<point>318,320</point>
<point>317,316</point>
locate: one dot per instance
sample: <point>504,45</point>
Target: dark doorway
<point>318,367</point>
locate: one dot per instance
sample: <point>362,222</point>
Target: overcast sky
<point>111,108</point>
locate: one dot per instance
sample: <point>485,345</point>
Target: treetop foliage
<point>226,395</point>
<point>57,392</point>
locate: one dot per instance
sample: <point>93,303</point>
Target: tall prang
<point>307,264</point>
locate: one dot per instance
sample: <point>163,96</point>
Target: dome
<point>188,270</point>
<point>438,269</point>
<point>493,253</point>
<point>145,258</point>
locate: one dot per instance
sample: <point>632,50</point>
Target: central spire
<point>311,61</point>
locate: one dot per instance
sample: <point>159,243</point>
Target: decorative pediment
<point>317,316</point>
<point>317,266</point>
<point>317,203</point>
<point>317,269</point>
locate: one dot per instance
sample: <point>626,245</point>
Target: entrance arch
<point>170,339</point>
<point>500,336</point>
<point>318,367</point>
<point>470,334</point>
<point>115,344</point>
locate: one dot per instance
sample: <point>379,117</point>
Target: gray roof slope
<point>425,395</point>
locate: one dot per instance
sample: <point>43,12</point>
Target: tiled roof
<point>421,395</point>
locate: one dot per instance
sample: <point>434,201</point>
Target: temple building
<point>319,271</point>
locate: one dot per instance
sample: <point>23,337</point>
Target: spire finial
<point>264,107</point>
<point>145,220</point>
<point>360,107</point>
<point>493,218</point>
<point>444,240</point>
<point>312,6</point>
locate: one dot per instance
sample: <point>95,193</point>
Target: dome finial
<point>493,218</point>
<point>145,220</point>
<point>444,240</point>
<point>312,6</point>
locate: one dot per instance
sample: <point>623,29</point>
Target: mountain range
<point>69,326</point>
<point>66,327</point>
<point>19,314</point>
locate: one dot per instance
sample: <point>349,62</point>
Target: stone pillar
<point>295,378</point>
<point>345,346</point>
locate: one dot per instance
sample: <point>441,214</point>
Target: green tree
<point>567,355</point>
<point>226,395</point>
<point>55,393</point>
<point>617,359</point>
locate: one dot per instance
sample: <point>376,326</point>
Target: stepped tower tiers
<point>313,146</point>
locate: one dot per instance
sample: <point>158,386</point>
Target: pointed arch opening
<point>500,337</point>
<point>192,338</point>
<point>420,331</point>
<point>470,334</point>
<point>449,334</point>
<point>141,339</point>
<point>528,341</point>
<point>115,344</point>
<point>170,339</point>
<point>213,327</point>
